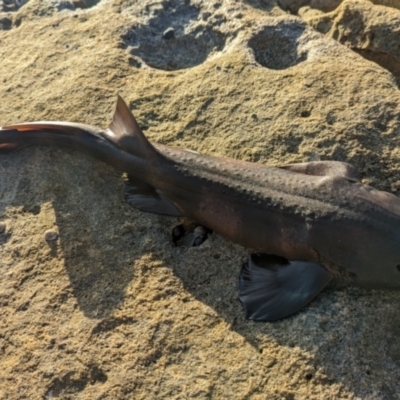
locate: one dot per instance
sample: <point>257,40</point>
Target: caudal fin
<point>16,136</point>
<point>10,147</point>
<point>125,133</point>
<point>68,128</point>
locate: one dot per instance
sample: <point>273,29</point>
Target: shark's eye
<point>398,267</point>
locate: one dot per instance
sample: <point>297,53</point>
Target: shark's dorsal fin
<point>324,168</point>
<point>125,132</point>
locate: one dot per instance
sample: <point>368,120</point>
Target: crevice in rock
<point>293,6</point>
<point>73,383</point>
<point>264,5</point>
<point>85,3</point>
<point>384,60</point>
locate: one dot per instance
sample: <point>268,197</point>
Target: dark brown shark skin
<point>315,212</point>
<point>353,230</point>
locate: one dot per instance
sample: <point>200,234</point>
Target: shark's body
<point>318,215</point>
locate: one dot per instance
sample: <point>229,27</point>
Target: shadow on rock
<point>98,259</point>
<point>350,333</point>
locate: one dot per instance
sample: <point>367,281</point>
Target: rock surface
<point>372,31</point>
<point>109,308</point>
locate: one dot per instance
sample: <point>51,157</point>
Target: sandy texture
<point>107,307</point>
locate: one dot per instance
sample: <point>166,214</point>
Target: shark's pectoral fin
<point>324,168</point>
<point>271,287</point>
<point>147,198</point>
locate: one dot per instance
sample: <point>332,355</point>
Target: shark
<point>305,224</point>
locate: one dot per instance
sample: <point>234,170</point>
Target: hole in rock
<point>11,5</point>
<point>276,47</point>
<point>174,38</point>
<point>5,24</point>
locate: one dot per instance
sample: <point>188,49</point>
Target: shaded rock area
<point>96,301</point>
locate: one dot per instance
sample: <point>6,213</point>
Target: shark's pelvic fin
<point>147,198</point>
<point>271,287</point>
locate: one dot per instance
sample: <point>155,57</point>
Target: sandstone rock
<point>372,31</point>
<point>113,309</point>
<point>294,6</point>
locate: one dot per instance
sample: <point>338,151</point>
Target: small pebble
<point>187,240</point>
<point>51,236</point>
<point>190,237</point>
<point>169,33</point>
<point>199,240</point>
<point>200,230</point>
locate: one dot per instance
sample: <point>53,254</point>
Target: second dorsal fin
<point>323,168</point>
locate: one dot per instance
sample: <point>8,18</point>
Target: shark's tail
<point>123,132</point>
<point>123,145</point>
<point>16,136</point>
